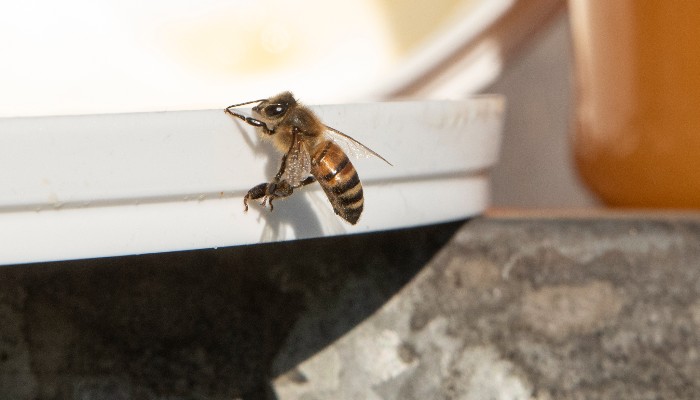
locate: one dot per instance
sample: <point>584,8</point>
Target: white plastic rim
<point>117,184</point>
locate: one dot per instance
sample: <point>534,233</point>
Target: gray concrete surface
<point>495,308</point>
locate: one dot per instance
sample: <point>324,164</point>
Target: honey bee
<point>311,153</point>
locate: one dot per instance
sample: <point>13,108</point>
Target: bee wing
<point>298,165</point>
<point>350,145</point>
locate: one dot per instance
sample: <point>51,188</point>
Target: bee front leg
<point>251,121</point>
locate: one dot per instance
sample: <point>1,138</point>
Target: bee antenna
<point>247,102</point>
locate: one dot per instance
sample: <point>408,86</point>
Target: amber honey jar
<point>637,138</point>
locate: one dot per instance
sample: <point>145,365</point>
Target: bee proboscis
<point>311,151</point>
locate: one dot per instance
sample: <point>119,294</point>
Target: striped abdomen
<point>338,178</point>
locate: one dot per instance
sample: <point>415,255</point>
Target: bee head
<point>274,109</point>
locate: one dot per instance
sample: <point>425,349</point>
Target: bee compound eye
<point>274,110</point>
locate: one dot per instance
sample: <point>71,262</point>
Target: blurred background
<point>629,131</point>
<point>81,57</point>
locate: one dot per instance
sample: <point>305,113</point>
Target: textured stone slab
<point>502,308</point>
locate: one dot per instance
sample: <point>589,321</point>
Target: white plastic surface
<point>103,185</point>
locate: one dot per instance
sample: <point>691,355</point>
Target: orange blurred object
<point>637,142</point>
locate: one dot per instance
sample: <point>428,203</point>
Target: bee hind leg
<point>309,180</point>
<point>255,193</point>
<point>284,189</point>
<point>268,192</point>
<point>277,189</point>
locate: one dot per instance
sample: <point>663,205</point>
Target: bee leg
<point>259,124</point>
<point>284,189</point>
<point>278,189</point>
<point>255,193</point>
<point>252,121</point>
<point>309,180</point>
<point>268,192</point>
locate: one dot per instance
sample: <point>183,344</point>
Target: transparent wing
<point>298,163</point>
<point>350,145</point>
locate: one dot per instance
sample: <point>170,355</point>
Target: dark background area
<point>196,324</point>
